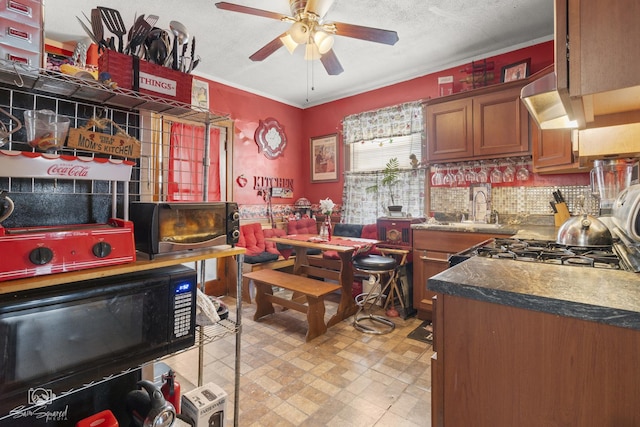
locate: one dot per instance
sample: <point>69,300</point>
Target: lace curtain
<point>364,207</point>
<point>397,120</point>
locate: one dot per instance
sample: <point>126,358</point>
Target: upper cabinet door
<point>597,60</point>
<point>450,130</point>
<point>500,124</point>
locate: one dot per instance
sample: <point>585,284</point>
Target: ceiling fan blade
<point>251,11</point>
<point>331,63</point>
<point>318,7</point>
<point>268,49</point>
<point>366,33</point>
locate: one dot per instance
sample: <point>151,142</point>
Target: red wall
<point>247,109</point>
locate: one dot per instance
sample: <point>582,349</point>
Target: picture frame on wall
<point>200,94</point>
<point>516,71</point>
<point>324,158</point>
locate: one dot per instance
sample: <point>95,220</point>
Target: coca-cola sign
<point>19,164</point>
<point>68,170</point>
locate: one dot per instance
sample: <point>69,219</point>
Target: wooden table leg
<point>347,306</point>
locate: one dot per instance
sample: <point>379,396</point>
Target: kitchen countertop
<point>606,296</point>
<point>520,231</point>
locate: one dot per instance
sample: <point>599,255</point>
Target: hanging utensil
<point>98,30</point>
<point>181,37</point>
<point>139,33</point>
<point>113,20</point>
<point>193,54</point>
<point>4,132</point>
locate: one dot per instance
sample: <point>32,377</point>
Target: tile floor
<point>343,378</point>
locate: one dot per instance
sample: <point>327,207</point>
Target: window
<point>372,139</point>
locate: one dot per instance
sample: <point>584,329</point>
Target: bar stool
<point>375,266</point>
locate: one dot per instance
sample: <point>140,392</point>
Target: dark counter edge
<point>606,315</point>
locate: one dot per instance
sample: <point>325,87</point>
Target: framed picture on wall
<point>516,71</point>
<point>200,94</point>
<point>324,158</point>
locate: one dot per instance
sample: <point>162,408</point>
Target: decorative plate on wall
<point>271,138</point>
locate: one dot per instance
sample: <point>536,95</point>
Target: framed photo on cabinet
<point>516,71</point>
<point>324,158</point>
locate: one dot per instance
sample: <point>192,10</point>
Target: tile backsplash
<point>514,200</point>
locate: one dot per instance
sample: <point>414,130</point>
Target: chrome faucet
<point>474,205</point>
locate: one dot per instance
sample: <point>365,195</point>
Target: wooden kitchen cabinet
<point>431,251</point>
<point>485,123</point>
<point>552,151</point>
<point>597,60</point>
<point>498,365</point>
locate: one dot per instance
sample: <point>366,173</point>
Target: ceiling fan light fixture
<point>289,43</point>
<point>311,52</point>
<point>299,32</point>
<point>324,41</point>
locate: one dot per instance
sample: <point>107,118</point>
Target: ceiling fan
<point>309,29</point>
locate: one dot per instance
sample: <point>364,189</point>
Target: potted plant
<point>390,180</point>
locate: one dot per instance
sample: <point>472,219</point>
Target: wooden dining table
<point>346,247</point>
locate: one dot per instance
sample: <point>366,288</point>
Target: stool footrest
<point>389,325</point>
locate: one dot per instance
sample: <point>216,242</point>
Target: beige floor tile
<point>343,378</point>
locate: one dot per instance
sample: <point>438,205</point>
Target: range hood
<point>542,99</point>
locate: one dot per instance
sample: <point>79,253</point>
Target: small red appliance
<point>34,251</point>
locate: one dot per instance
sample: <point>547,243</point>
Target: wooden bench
<point>305,290</point>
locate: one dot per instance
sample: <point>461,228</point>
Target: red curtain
<point>186,160</point>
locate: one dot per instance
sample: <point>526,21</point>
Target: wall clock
<point>271,138</point>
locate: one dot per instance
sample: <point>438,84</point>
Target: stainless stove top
<point>547,251</point>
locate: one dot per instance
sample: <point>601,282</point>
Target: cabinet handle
<point>428,258</point>
<point>19,8</point>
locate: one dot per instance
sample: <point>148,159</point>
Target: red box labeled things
<point>130,72</point>
<point>164,82</point>
<point>119,66</point>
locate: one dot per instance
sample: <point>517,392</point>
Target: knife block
<point>562,215</point>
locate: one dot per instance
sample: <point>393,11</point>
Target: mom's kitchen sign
<point>120,144</point>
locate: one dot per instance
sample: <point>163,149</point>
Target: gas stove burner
<point>577,260</point>
<point>551,253</point>
<point>526,254</point>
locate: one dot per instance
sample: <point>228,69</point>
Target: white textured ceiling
<point>433,35</point>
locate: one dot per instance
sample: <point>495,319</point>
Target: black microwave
<point>54,340</point>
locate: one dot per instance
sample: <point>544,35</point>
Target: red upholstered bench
<point>260,254</point>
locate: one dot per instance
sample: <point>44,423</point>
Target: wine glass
<point>437,178</point>
<point>470,175</point>
<point>460,174</point>
<point>483,173</point>
<point>449,179</point>
<point>508,175</point>
<point>496,174</point>
<point>522,174</point>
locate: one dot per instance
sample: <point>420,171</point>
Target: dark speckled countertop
<point>599,295</point>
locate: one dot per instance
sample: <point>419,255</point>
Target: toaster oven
<point>164,227</point>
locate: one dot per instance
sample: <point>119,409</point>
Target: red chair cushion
<point>252,239</point>
<point>370,231</point>
<point>302,226</point>
<point>273,232</point>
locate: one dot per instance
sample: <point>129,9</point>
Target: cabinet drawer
<point>22,36</point>
<point>23,11</point>
<point>11,53</point>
